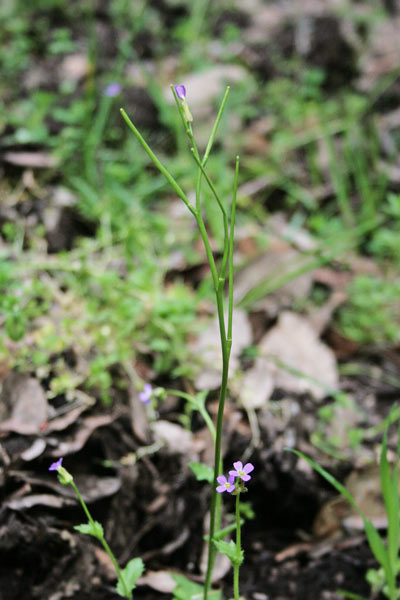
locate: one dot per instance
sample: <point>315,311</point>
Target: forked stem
<point>218,282</point>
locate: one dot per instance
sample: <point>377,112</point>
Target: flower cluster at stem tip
<point>180,92</point>
<point>64,476</point>
<point>240,472</point>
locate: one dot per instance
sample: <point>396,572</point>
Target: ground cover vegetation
<point>110,353</point>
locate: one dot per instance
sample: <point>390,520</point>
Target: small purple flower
<point>146,394</point>
<point>242,471</point>
<point>180,91</point>
<point>226,485</point>
<point>113,89</point>
<point>55,465</point>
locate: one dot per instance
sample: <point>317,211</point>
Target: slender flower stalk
<point>95,528</point>
<point>236,564</point>
<point>234,485</point>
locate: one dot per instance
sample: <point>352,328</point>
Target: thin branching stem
<point>157,162</point>
<point>218,282</point>
<point>103,541</point>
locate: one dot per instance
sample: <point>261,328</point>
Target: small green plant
<point>371,314</point>
<point>387,554</point>
<point>126,577</point>
<point>219,274</point>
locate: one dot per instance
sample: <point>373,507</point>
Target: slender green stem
<point>215,127</point>
<point>199,406</point>
<point>224,216</point>
<point>236,565</point>
<point>157,163</point>
<point>207,246</point>
<point>230,256</point>
<point>215,512</point>
<point>102,539</point>
<point>218,282</point>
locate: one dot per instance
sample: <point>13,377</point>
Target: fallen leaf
<point>78,438</point>
<point>33,160</point>
<point>278,260</point>
<point>364,485</point>
<point>293,359</point>
<point>31,500</point>
<point>176,439</point>
<point>36,449</point>
<point>23,405</point>
<point>161,581</point>
<point>74,67</point>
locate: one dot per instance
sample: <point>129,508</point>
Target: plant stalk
<point>102,539</point>
<point>236,565</point>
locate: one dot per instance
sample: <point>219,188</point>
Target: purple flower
<point>180,91</point>
<point>55,465</point>
<point>226,485</point>
<point>145,395</point>
<point>113,89</point>
<point>242,471</point>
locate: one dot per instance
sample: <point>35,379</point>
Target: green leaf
<point>130,574</point>
<point>374,540</point>
<point>202,472</point>
<point>378,549</point>
<point>390,493</point>
<point>229,549</point>
<point>96,530</point>
<point>187,590</point>
<point>350,595</point>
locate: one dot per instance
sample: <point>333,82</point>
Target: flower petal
<point>147,388</point>
<point>113,89</point>
<point>238,465</point>
<point>221,479</point>
<point>233,474</point>
<point>55,465</point>
<point>248,468</point>
<point>230,488</point>
<point>246,477</point>
<point>180,91</point>
<point>220,489</point>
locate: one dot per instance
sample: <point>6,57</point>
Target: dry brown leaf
<point>279,259</point>
<point>31,500</point>
<point>64,421</point>
<point>74,67</point>
<point>161,581</point>
<point>78,438</point>
<point>35,449</point>
<point>291,346</point>
<point>364,486</point>
<point>23,405</point>
<point>175,439</point>
<point>382,54</point>
<point>33,160</point>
